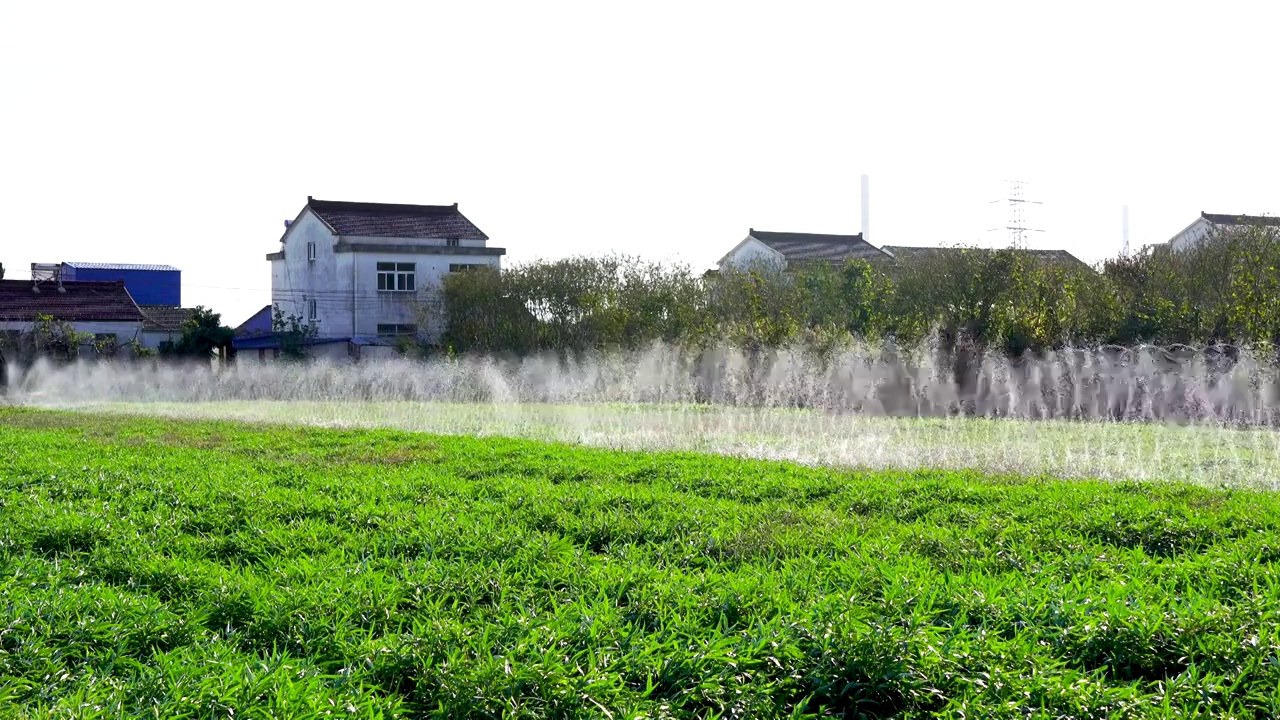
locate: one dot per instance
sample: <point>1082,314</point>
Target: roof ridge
<point>374,206</point>
<point>345,218</point>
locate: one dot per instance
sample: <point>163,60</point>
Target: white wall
<point>752,252</point>
<point>1191,235</point>
<point>296,278</point>
<point>345,285</point>
<point>125,332</point>
<point>375,307</point>
<point>153,338</point>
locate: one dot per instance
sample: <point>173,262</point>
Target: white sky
<point>185,134</point>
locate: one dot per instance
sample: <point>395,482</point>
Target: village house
<point>784,249</point>
<point>780,249</point>
<point>1061,258</point>
<point>365,275</point>
<point>103,311</point>
<point>1209,223</point>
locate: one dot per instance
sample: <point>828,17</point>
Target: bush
<point>1226,290</point>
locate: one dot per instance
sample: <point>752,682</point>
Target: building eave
<point>343,246</point>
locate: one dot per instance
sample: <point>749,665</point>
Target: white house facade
<point>362,270</point>
<point>1209,223</point>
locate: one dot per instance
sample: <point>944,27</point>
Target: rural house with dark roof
<point>781,249</point>
<point>909,253</point>
<point>1209,223</point>
<point>103,310</point>
<point>361,271</point>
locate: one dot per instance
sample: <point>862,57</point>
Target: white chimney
<point>866,208</point>
<point>1126,231</point>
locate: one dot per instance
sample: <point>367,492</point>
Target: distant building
<point>1208,223</point>
<point>908,253</point>
<point>148,284</point>
<point>781,249</point>
<point>363,271</point>
<point>103,310</point>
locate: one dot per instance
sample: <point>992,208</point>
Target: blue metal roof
<point>121,266</point>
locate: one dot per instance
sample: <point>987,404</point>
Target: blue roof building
<point>148,284</point>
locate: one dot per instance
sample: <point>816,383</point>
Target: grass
<point>1208,455</point>
<point>163,568</point>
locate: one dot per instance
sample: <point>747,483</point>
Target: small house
<point>782,249</point>
<point>1210,223</point>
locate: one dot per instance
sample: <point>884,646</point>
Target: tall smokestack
<point>1126,230</point>
<point>866,208</point>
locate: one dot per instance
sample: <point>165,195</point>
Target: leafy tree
<point>294,334</point>
<point>56,338</point>
<point>1,271</point>
<point>203,334</point>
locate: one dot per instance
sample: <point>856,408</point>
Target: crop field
<point>177,568</point>
<point>1206,454</point>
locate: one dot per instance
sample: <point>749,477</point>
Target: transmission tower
<point>1016,225</point>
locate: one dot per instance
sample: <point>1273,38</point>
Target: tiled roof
<point>386,220</point>
<point>164,317</point>
<point>1259,220</point>
<point>906,252</point>
<point>120,266</point>
<point>82,301</point>
<point>810,246</point>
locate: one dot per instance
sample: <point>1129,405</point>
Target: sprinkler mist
<point>1203,415</point>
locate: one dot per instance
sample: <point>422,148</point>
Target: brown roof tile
<point>387,220</point>
<point>164,317</point>
<point>82,301</point>
<point>812,246</point>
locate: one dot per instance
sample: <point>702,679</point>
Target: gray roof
<point>908,252</point>
<point>388,220</point>
<point>120,266</point>
<point>1259,220</point>
<point>812,246</point>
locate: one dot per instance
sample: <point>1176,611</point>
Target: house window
<point>451,242</point>
<point>464,267</point>
<point>396,277</point>
<point>311,310</point>
<point>397,329</point>
<point>311,251</point>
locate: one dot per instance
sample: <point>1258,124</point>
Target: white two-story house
<point>1209,223</point>
<point>367,271</point>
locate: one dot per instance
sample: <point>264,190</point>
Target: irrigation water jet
<point>1208,416</point>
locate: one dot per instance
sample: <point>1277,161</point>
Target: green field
<point>166,568</point>
<point>1210,455</point>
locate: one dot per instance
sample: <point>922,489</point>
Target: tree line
<point>1225,290</point>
